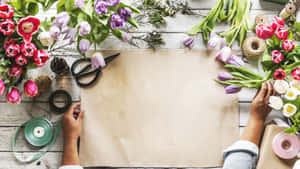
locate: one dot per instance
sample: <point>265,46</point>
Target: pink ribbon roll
<point>286,146</point>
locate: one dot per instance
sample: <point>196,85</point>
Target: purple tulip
<point>62,19</point>
<point>235,61</point>
<point>2,87</point>
<point>85,28</point>
<point>98,61</point>
<point>125,13</point>
<point>231,89</point>
<point>112,2</point>
<point>216,42</point>
<point>116,22</point>
<point>126,36</point>
<point>69,34</point>
<point>84,45</point>
<point>224,54</point>
<point>224,76</point>
<point>100,7</point>
<point>54,32</point>
<point>80,3</point>
<point>189,42</point>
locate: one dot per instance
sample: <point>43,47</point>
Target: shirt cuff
<point>70,167</point>
<point>242,146</point>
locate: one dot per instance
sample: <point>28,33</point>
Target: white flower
<point>224,54</point>
<point>216,42</point>
<point>289,110</point>
<point>296,85</point>
<point>291,94</point>
<point>275,102</point>
<point>297,164</point>
<point>45,38</point>
<point>281,86</point>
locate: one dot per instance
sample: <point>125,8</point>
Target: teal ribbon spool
<point>38,132</point>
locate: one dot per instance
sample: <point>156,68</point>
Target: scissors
<point>86,70</point>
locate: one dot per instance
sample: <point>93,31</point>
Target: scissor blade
<point>111,58</point>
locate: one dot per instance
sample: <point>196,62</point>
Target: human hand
<point>72,122</point>
<point>260,108</point>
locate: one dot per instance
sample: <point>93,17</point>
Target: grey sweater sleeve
<point>241,155</point>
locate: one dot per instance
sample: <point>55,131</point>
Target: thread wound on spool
<point>286,146</point>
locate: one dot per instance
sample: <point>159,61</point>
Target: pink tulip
<point>12,50</point>
<point>41,58</point>
<point>13,96</point>
<point>2,87</point>
<point>279,74</point>
<point>21,60</point>
<point>288,45</point>
<point>278,22</point>
<point>30,89</point>
<point>264,31</point>
<point>15,71</point>
<point>8,42</point>
<point>296,74</point>
<point>28,49</point>
<point>277,57</point>
<point>281,33</point>
<point>224,54</point>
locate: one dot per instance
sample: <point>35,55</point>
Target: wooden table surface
<point>11,116</point>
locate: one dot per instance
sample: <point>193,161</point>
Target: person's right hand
<point>72,122</point>
<point>260,108</point>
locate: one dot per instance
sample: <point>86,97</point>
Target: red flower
<point>6,11</point>
<point>279,74</point>
<point>281,33</point>
<point>278,22</point>
<point>27,27</point>
<point>296,74</point>
<point>40,58</point>
<point>28,49</point>
<point>288,45</point>
<point>15,71</point>
<point>8,42</point>
<point>7,27</point>
<point>277,57</point>
<point>21,60</point>
<point>12,50</point>
<point>264,31</point>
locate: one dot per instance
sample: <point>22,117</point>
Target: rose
<point>277,56</point>
<point>45,39</point>
<point>30,89</point>
<point>21,60</point>
<point>288,45</point>
<point>41,58</point>
<point>281,33</point>
<point>281,86</point>
<point>279,74</point>
<point>28,49</point>
<point>296,74</point>
<point>12,50</point>
<point>13,96</point>
<point>264,31</point>
<point>2,87</point>
<point>278,22</point>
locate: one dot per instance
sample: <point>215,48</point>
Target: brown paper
<point>267,158</point>
<point>158,109</point>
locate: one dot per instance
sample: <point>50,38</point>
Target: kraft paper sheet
<point>158,109</point>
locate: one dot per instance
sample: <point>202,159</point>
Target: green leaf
<point>69,5</point>
<point>60,6</point>
<point>291,131</point>
<point>88,8</point>
<point>268,65</point>
<point>128,6</point>
<point>32,8</point>
<point>133,22</point>
<point>117,33</point>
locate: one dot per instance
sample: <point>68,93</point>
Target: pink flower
<point>41,58</point>
<point>30,89</point>
<point>27,27</point>
<point>264,31</point>
<point>8,42</point>
<point>28,49</point>
<point>7,27</point>
<point>2,87</point>
<point>296,74</point>
<point>278,22</point>
<point>279,74</point>
<point>12,50</point>
<point>13,96</point>
<point>21,60</point>
<point>15,71</point>
<point>288,45</point>
<point>224,54</point>
<point>6,11</point>
<point>281,33</point>
<point>277,57</point>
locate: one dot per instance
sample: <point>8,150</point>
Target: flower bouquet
<point>20,51</point>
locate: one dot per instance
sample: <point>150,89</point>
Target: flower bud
<point>224,76</point>
<point>288,45</point>
<point>189,42</point>
<point>278,22</point>
<point>224,54</point>
<point>281,33</point>
<point>279,74</point>
<point>21,60</point>
<point>30,89</point>
<point>84,29</point>
<point>54,32</point>
<point>235,61</point>
<point>281,86</point>
<point>231,89</point>
<point>98,60</point>
<point>277,56</point>
<point>216,42</point>
<point>7,27</point>
<point>45,38</point>
<point>41,58</point>
<point>275,102</point>
<point>13,96</point>
<point>296,74</point>
<point>12,50</point>
<point>28,49</point>
<point>264,31</point>
<point>8,42</point>
<point>84,45</point>
<point>2,87</point>
<point>15,71</point>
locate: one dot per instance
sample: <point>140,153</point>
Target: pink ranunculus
<point>21,60</point>
<point>27,27</point>
<point>15,71</point>
<point>279,74</point>
<point>2,87</point>
<point>278,22</point>
<point>40,58</point>
<point>12,50</point>
<point>288,45</point>
<point>13,96</point>
<point>8,42</point>
<point>264,31</point>
<point>30,89</point>
<point>281,33</point>
<point>28,49</point>
<point>277,56</point>
<point>296,74</point>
